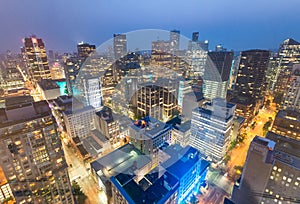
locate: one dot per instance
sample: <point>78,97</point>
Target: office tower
<point>85,50</point>
<point>35,57</point>
<point>72,66</point>
<point>289,54</point>
<point>108,125</point>
<point>88,89</point>
<point>251,78</point>
<point>211,128</point>
<point>287,123</point>
<point>120,45</point>
<point>271,173</point>
<point>155,101</point>
<point>32,157</point>
<point>160,53</point>
<point>223,62</point>
<point>79,122</point>
<point>196,55</point>
<point>291,99</point>
<point>174,41</point>
<point>218,64</point>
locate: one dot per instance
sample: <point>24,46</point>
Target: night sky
<point>237,24</point>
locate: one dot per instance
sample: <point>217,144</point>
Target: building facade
<point>211,128</point>
<point>35,57</point>
<point>32,157</point>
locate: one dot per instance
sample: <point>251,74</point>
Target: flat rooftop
<point>289,115</point>
<point>120,160</point>
<point>23,112</point>
<point>48,84</point>
<point>151,126</point>
<point>91,146</point>
<point>151,189</point>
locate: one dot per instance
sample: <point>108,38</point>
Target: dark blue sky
<point>237,24</point>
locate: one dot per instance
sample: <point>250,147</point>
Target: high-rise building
<point>35,56</point>
<point>223,62</point>
<point>213,84</point>
<point>72,65</point>
<point>251,77</point>
<point>174,41</point>
<point>120,45</point>
<point>211,128</point>
<point>32,157</point>
<point>289,54</point>
<point>156,101</point>
<point>88,89</point>
<point>287,123</point>
<point>271,173</point>
<point>291,98</point>
<point>85,50</point>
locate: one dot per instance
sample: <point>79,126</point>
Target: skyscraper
<point>32,157</point>
<point>216,86</point>
<point>211,128</point>
<point>88,89</point>
<point>251,78</point>
<point>35,56</point>
<point>174,41</point>
<point>156,101</point>
<point>120,45</point>
<point>291,98</point>
<point>271,173</point>
<point>289,54</point>
<point>223,62</point>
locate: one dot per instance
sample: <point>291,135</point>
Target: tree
<point>79,196</point>
<point>227,158</point>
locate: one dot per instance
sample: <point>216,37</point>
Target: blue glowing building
<point>189,166</point>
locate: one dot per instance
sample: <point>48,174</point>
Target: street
<point>79,173</point>
<point>239,153</point>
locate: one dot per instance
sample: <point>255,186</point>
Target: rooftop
<point>289,115</point>
<point>186,158</point>
<point>48,84</point>
<point>120,161</point>
<point>151,126</point>
<point>151,189</point>
<point>23,112</point>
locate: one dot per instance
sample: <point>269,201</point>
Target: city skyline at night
<point>150,102</point>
